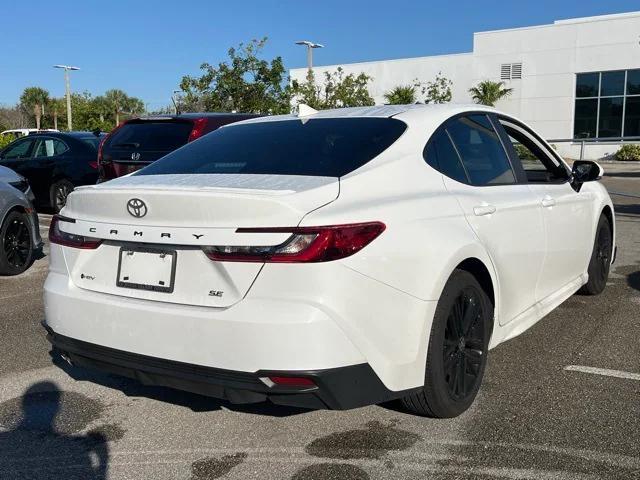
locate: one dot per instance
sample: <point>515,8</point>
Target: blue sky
<point>144,47</point>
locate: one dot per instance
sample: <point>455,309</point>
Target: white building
<point>571,79</point>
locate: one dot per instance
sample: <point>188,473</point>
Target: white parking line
<point>604,371</point>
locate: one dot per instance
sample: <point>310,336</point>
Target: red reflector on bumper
<point>293,381</point>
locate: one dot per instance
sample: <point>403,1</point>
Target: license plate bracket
<point>147,268</point>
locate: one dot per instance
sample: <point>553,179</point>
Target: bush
<point>6,140</point>
<point>629,152</point>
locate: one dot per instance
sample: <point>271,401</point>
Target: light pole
<point>174,99</point>
<point>67,86</point>
<point>310,46</point>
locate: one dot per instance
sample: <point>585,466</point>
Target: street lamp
<point>310,46</point>
<point>174,99</point>
<point>67,90</point>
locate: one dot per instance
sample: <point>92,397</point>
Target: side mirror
<point>585,171</point>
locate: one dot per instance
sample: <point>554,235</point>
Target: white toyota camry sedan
<point>328,260</point>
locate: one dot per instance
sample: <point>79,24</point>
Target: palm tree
<point>488,92</point>
<point>116,99</point>
<point>57,106</point>
<point>33,99</point>
<point>119,102</point>
<point>401,95</point>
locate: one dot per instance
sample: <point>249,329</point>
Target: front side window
<point>481,150</point>
<point>19,149</point>
<point>326,147</point>
<point>606,104</point>
<point>539,165</point>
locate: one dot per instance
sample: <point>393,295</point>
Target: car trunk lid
<point>181,214</point>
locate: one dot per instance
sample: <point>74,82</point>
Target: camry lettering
<point>113,232</point>
<point>135,233</point>
<point>197,236</point>
<point>92,230</point>
<point>165,235</point>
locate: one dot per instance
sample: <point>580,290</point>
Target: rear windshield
<point>150,136</point>
<point>93,142</point>
<point>319,147</point>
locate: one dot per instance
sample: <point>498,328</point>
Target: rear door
<point>502,211</point>
<point>567,214</point>
<point>140,142</point>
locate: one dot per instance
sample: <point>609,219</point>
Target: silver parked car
<point>19,231</point>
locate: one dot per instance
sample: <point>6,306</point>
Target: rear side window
<point>481,151</point>
<point>329,147</point>
<point>150,136</point>
<point>49,147</point>
<point>441,155</point>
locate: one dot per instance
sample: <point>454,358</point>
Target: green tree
<point>34,99</point>
<point>438,90</point>
<point>488,92</point>
<point>401,95</point>
<point>119,102</point>
<point>243,83</point>
<point>339,90</point>
<point>57,108</point>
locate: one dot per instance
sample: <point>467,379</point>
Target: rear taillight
<point>306,244</point>
<point>93,165</point>
<point>70,239</point>
<point>199,126</point>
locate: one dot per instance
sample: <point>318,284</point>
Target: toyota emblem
<point>135,156</point>
<point>136,208</point>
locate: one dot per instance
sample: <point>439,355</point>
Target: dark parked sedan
<point>54,163</point>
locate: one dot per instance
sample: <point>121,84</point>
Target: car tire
<point>462,326</point>
<point>58,194</point>
<point>16,244</point>
<point>600,262</point>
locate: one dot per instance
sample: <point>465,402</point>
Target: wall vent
<point>510,71</point>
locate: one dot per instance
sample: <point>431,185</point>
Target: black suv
<point>54,163</point>
<point>138,142</point>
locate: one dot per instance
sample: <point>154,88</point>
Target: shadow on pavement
<point>41,439</point>
<point>627,209</point>
<point>633,280</point>
<point>195,402</point>
<point>622,174</point>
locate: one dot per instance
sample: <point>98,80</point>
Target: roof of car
<point>195,115</point>
<point>381,111</point>
<point>74,134</point>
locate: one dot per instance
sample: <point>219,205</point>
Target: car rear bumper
<point>335,388</point>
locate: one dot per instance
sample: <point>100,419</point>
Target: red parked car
<point>140,141</point>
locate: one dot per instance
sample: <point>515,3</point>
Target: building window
<point>607,104</point>
<point>511,71</point>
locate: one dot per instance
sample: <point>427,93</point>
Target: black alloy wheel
<point>16,252</point>
<point>457,351</point>
<point>464,344</point>
<point>59,193</point>
<point>600,262</point>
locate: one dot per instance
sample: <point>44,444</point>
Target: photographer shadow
<point>36,445</point>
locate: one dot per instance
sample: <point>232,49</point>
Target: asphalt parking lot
<point>562,401</point>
